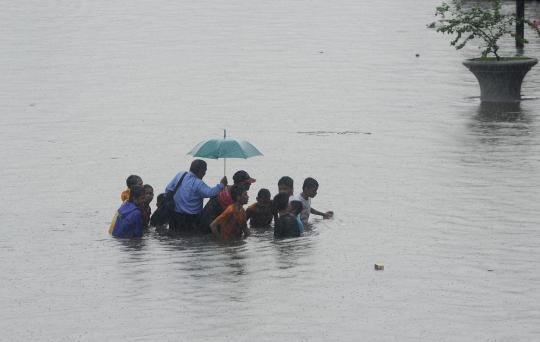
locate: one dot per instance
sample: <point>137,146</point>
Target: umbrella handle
<point>224,159</point>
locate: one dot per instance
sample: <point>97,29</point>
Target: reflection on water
<point>500,112</point>
<point>131,246</point>
<point>289,252</point>
<point>504,124</point>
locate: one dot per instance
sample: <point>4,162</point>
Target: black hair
<point>148,186</point>
<point>263,193</point>
<point>281,201</point>
<point>136,191</point>
<point>310,183</point>
<point>159,199</point>
<point>296,207</point>
<point>287,181</point>
<point>133,180</point>
<point>197,166</point>
<point>237,190</point>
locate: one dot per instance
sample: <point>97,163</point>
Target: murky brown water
<point>443,191</point>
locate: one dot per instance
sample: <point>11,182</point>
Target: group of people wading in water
<point>181,206</point>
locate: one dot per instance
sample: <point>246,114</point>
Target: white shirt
<point>306,206</point>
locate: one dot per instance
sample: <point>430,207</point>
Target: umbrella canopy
<point>224,148</point>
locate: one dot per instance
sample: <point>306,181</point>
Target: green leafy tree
<point>488,24</point>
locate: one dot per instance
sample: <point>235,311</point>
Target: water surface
<point>421,177</point>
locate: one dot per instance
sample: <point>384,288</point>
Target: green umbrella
<point>224,148</point>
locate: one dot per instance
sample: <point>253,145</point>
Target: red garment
<point>224,197</point>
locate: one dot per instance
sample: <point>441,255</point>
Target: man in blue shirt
<point>188,199</point>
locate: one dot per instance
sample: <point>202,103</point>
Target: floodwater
<point>443,191</point>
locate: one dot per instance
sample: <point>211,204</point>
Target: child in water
<point>130,181</point>
<point>260,213</point>
<point>309,190</point>
<point>286,185</point>
<point>145,209</point>
<point>216,205</point>
<point>159,200</point>
<point>154,222</point>
<point>286,224</point>
<point>129,222</point>
<point>232,223</point>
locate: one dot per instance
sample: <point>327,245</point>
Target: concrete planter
<point>500,81</point>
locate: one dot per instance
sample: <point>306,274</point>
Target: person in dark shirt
<point>285,185</point>
<point>146,211</point>
<point>260,214</point>
<point>286,224</point>
<point>159,203</point>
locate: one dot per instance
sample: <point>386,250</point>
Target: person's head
<point>148,193</point>
<point>242,177</point>
<point>137,195</point>
<point>286,185</point>
<point>263,196</point>
<point>310,187</point>
<point>198,167</point>
<point>296,207</point>
<point>239,194</point>
<point>159,200</point>
<point>281,201</point>
<point>133,180</point>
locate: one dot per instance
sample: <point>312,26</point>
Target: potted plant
<point>499,77</point>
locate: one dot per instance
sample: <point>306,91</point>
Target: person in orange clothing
<point>232,223</point>
<point>130,181</point>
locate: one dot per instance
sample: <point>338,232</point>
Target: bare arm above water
<point>325,215</point>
